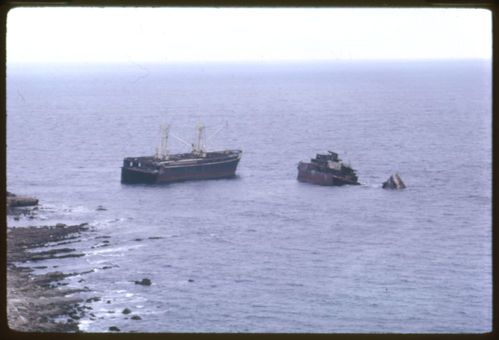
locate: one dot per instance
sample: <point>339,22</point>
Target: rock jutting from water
<point>14,200</point>
<point>143,282</point>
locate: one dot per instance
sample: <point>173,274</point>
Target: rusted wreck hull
<point>171,174</point>
<point>394,182</point>
<point>308,174</point>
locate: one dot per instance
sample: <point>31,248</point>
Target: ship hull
<point>135,176</point>
<point>177,173</point>
<point>307,174</point>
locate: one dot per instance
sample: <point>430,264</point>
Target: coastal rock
<point>101,208</point>
<point>20,201</point>
<point>126,311</point>
<point>136,317</point>
<point>37,303</point>
<point>114,329</point>
<point>144,282</point>
<point>21,238</point>
<point>394,182</point>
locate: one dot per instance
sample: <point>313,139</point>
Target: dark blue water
<point>263,252</point>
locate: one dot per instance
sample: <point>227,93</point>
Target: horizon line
<point>254,61</point>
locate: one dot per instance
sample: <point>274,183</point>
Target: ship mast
<point>162,152</point>
<point>198,148</point>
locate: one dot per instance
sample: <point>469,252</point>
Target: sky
<point>117,35</point>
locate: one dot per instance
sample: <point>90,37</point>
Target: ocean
<point>263,252</point>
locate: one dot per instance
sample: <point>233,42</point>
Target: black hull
<point>179,173</point>
<point>134,176</point>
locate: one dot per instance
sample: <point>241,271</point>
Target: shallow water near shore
<point>263,252</point>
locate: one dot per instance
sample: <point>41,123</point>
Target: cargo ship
<point>164,167</point>
<point>326,169</point>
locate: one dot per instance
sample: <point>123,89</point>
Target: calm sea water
<point>263,252</point>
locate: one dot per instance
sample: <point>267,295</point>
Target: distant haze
<point>107,35</point>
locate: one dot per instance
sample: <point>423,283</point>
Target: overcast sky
<point>243,34</point>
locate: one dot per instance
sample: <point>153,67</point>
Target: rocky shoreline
<point>38,296</point>
<point>41,303</point>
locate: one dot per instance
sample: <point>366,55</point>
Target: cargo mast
<point>198,148</point>
<point>162,151</point>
